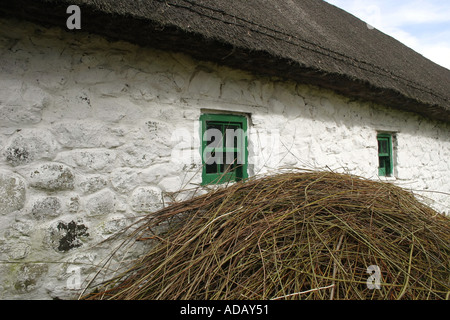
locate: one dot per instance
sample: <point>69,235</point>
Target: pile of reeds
<point>296,235</point>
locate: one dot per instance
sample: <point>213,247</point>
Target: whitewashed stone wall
<point>95,134</point>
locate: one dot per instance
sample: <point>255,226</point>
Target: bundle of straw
<point>295,235</point>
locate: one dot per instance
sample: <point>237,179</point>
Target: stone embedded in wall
<point>328,108</point>
<point>86,134</point>
<point>124,180</point>
<point>74,204</point>
<point>120,108</point>
<point>66,236</point>
<point>232,91</point>
<point>19,228</point>
<point>30,277</point>
<point>276,106</point>
<point>94,160</point>
<point>111,91</point>
<point>152,140</point>
<point>286,93</point>
<point>155,173</point>
<point>18,155</point>
<point>171,184</point>
<point>192,114</point>
<point>52,177</point>
<point>19,250</point>
<point>121,204</point>
<point>140,91</point>
<point>296,110</point>
<point>158,129</point>
<point>49,80</point>
<point>28,145</point>
<point>4,249</point>
<point>205,83</point>
<point>146,199</point>
<point>49,207</point>
<point>255,91</point>
<point>179,81</point>
<point>162,86</point>
<point>84,74</point>
<point>14,249</point>
<point>21,103</point>
<point>10,90</point>
<point>170,114</point>
<point>114,224</point>
<point>91,184</point>
<point>101,203</point>
<point>134,157</point>
<point>12,192</point>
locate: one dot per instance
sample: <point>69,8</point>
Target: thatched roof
<point>308,41</point>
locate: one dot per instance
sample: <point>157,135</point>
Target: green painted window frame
<point>385,155</point>
<point>220,122</point>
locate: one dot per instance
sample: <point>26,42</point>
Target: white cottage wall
<point>94,134</point>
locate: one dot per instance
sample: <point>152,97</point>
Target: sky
<point>422,25</point>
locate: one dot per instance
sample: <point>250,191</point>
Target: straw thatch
<point>296,235</point>
<point>308,41</point>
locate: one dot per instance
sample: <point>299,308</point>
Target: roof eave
<point>149,33</point>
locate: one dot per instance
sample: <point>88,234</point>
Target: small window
<point>224,148</point>
<point>385,158</point>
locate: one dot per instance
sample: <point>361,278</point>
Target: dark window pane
<point>385,166</point>
<point>232,133</point>
<point>235,160</point>
<point>230,161</point>
<point>211,168</point>
<point>383,146</point>
<point>213,135</point>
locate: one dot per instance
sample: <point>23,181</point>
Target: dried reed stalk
<point>290,233</point>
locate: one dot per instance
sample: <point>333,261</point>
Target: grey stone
<point>137,157</point>
<point>29,145</point>
<point>146,199</point>
<point>171,184</point>
<point>19,250</point>
<point>204,83</point>
<point>52,177</point>
<point>19,228</point>
<point>47,207</point>
<point>95,160</point>
<point>66,236</point>
<point>85,134</point>
<point>21,103</point>
<point>124,179</point>
<point>100,203</point>
<point>114,224</point>
<point>12,193</point>
<point>74,204</point>
<point>30,277</point>
<point>17,155</point>
<point>93,184</point>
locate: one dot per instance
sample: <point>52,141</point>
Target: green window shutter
<point>224,148</point>
<point>385,158</point>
